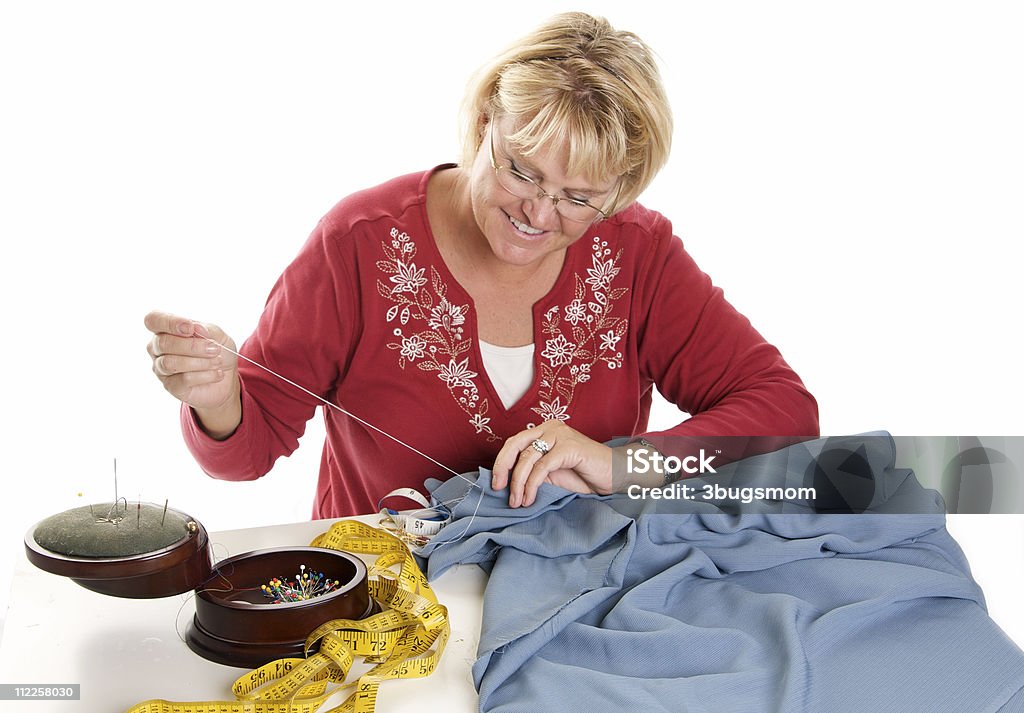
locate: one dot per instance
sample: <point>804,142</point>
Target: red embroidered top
<point>369,317</point>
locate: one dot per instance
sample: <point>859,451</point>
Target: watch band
<point>669,476</point>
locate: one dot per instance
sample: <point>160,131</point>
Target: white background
<point>850,173</point>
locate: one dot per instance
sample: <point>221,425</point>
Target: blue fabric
<point>611,604</point>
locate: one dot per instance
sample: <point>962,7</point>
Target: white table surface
<point>125,651</point>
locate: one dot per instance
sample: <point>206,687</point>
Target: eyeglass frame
<point>541,193</point>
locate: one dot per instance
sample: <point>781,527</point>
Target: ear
<point>482,120</point>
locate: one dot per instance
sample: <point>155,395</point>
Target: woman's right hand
<point>190,363</point>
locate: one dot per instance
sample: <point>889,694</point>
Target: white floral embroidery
<point>553,411</point>
<point>408,278</point>
<point>609,339</point>
<point>480,423</point>
<point>446,315</point>
<point>413,347</point>
<point>581,372</point>
<point>575,313</point>
<point>457,374</point>
<point>430,331</point>
<point>592,334</point>
<point>558,351</point>
<point>436,326</point>
<point>601,274</point>
<point>550,324</point>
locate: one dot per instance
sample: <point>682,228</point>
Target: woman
<point>517,309</point>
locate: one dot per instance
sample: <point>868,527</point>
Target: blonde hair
<point>579,81</point>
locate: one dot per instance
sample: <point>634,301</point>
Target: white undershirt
<point>510,370</point>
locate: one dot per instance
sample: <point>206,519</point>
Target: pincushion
<point>108,530</point>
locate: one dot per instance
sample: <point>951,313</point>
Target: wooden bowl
<point>161,553</point>
<point>236,625</point>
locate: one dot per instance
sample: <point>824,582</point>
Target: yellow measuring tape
<point>405,640</point>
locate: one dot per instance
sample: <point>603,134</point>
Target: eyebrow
<point>524,163</point>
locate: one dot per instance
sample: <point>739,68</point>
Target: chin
<point>516,255</point>
<point>522,253</point>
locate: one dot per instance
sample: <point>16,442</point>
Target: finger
<point>542,469</point>
<point>527,462</point>
<point>165,343</point>
<point>509,454</point>
<point>168,365</point>
<point>182,383</point>
<point>158,322</point>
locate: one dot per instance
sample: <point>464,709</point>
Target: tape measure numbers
<point>405,640</point>
<point>414,526</point>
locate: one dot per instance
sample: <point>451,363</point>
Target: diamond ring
<point>540,446</point>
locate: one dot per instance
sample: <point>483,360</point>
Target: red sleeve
<point>706,357</point>
<point>305,333</point>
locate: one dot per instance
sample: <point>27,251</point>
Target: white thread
<point>214,574</point>
<point>469,524</point>
<point>338,408</point>
<point>186,598</point>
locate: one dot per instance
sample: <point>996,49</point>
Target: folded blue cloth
<point>614,604</point>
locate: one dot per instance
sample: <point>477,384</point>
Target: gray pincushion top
<point>102,531</point>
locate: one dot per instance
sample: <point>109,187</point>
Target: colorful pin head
<point>307,585</point>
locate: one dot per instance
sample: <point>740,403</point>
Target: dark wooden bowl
<point>177,568</point>
<point>236,625</point>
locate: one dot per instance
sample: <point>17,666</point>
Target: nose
<point>541,211</point>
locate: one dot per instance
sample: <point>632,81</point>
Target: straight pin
<point>165,513</point>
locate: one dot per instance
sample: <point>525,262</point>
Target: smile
<point>524,228</point>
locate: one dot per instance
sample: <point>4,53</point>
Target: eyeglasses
<point>522,186</point>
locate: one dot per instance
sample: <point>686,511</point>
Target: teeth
<point>523,227</point>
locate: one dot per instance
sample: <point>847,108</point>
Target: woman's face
<point>522,231</point>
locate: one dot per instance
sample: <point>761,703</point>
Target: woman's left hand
<point>555,453</point>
